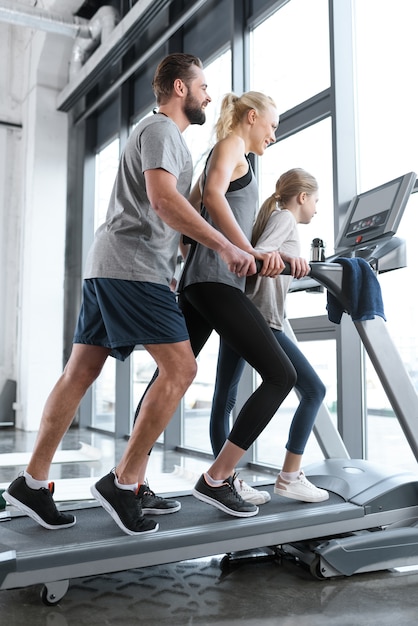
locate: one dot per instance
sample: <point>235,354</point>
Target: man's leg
<point>31,492</point>
<point>177,369</point>
<point>118,491</point>
<point>83,367</point>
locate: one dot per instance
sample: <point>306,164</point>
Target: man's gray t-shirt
<point>134,243</point>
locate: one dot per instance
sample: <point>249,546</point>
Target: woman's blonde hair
<point>234,108</point>
<point>290,184</point>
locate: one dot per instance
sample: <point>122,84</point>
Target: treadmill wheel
<point>315,568</point>
<point>53,592</point>
<point>47,598</point>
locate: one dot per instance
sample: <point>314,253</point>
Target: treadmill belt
<point>95,545</point>
<point>94,524</point>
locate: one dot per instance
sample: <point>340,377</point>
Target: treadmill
<point>370,521</point>
<point>368,233</point>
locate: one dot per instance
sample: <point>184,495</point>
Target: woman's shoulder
<point>231,144</point>
<point>229,152</point>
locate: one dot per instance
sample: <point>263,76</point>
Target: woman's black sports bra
<point>243,181</point>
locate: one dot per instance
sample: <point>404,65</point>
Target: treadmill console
<point>375,214</point>
<point>368,229</point>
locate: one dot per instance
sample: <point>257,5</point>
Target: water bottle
<point>317,250</point>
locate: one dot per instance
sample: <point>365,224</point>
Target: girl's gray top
<point>269,294</point>
<point>134,243</point>
<point>206,266</point>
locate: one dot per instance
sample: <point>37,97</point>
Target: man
<point>127,301</point>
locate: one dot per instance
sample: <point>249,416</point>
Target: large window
<point>303,150</point>
<point>387,142</point>
<point>198,398</point>
<point>386,89</point>
<point>270,445</point>
<point>107,161</point>
<point>386,442</point>
<point>291,76</point>
<point>290,53</point>
<point>104,401</point>
<point>200,139</point>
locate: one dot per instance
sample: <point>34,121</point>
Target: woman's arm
<point>176,211</point>
<point>195,199</point>
<point>227,163</point>
<point>195,196</point>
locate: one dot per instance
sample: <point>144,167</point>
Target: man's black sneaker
<point>156,505</point>
<point>225,497</point>
<point>123,505</point>
<point>38,504</point>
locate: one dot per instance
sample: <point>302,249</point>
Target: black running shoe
<point>156,505</point>
<point>225,497</point>
<point>123,505</point>
<point>38,504</point>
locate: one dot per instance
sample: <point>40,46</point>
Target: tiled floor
<point>203,591</point>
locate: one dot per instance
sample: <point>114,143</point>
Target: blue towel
<point>361,288</point>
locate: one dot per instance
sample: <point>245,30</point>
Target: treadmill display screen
<point>372,210</point>
<point>375,213</point>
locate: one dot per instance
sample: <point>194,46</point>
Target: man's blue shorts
<point>121,314</point>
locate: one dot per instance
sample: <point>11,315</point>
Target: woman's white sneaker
<point>300,489</point>
<point>249,494</point>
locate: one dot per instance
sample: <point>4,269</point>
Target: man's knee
<point>180,375</point>
<point>187,372</point>
<point>82,373</point>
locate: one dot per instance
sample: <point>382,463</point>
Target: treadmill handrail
<point>330,275</point>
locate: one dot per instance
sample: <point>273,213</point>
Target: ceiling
<point>89,7</point>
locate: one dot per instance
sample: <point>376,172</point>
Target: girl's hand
<point>299,267</point>
<point>273,263</point>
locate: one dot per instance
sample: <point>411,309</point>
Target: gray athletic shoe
<point>224,497</point>
<point>123,505</point>
<point>156,505</point>
<point>38,504</point>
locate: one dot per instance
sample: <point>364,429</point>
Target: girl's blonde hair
<point>290,184</point>
<point>234,108</point>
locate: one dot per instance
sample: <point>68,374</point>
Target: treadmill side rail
<point>7,562</point>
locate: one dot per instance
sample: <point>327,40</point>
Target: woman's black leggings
<point>228,311</point>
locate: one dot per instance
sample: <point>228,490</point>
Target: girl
<point>293,203</point>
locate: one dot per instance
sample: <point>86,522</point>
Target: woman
<point>293,203</point>
<point>211,298</point>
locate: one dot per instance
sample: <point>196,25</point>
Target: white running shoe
<point>300,489</point>
<point>249,494</point>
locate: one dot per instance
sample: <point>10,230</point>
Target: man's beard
<point>193,111</point>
